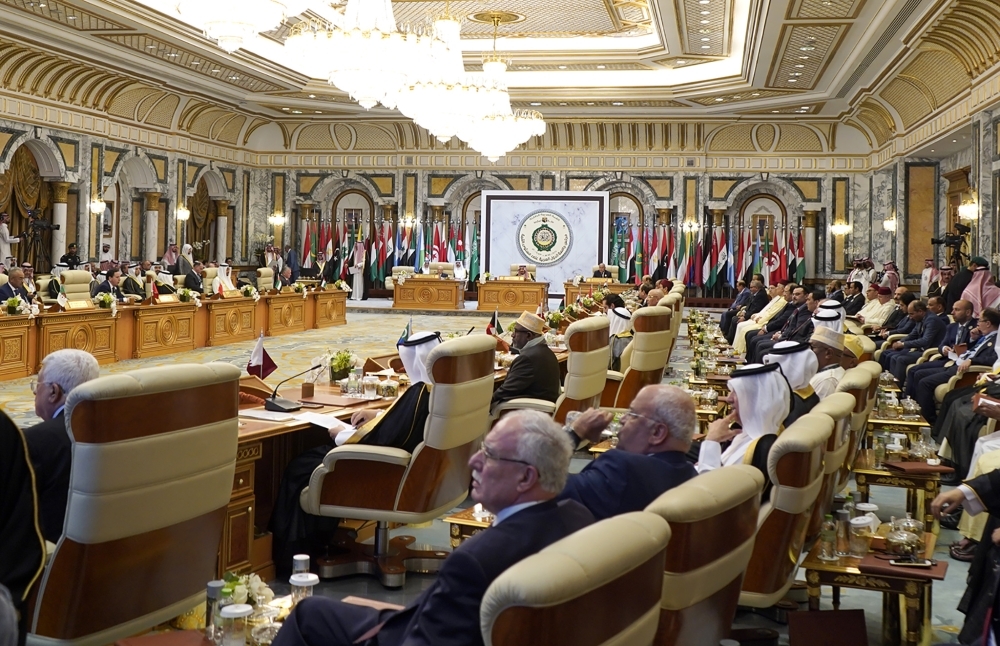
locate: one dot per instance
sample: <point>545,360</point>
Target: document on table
<point>332,425</point>
<point>267,415</point>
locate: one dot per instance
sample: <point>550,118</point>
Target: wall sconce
<point>276,219</point>
<point>97,206</point>
<point>968,210</point>
<point>890,225</point>
<point>183,214</point>
<point>840,229</point>
<point>690,227</point>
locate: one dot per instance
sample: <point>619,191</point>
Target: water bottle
<point>828,539</point>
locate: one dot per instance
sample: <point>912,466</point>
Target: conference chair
<point>795,468</point>
<point>3,279</point>
<point>713,521</point>
<point>438,268</point>
<point>208,274</point>
<point>571,594</point>
<point>148,496</point>
<point>76,284</point>
<point>398,272</point>
<point>857,383</point>
<point>265,279</point>
<point>837,407</point>
<point>586,367</point>
<point>389,485</point>
<point>515,266</point>
<point>673,303</point>
<point>867,348</point>
<point>892,338</point>
<point>651,340</point>
<point>42,288</point>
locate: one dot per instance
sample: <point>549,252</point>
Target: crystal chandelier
<point>234,22</point>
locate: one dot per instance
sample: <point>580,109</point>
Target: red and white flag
<point>260,364</point>
<point>494,324</point>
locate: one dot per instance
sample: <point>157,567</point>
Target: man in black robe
<point>401,426</point>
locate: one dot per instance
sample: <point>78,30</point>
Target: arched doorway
<point>765,230</point>
<point>23,193</point>
<point>623,250</point>
<point>352,217</point>
<point>200,230</point>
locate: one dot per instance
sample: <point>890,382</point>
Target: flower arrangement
<point>250,292</point>
<point>104,300</point>
<point>247,588</point>
<point>344,360</point>
<point>577,280</point>
<point>572,312</point>
<point>198,245</point>
<point>553,319</point>
<point>587,302</point>
<point>485,276</point>
<point>299,288</point>
<point>17,305</point>
<point>342,285</point>
<point>189,296</point>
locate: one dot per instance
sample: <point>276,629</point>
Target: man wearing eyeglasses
<point>48,442</point>
<point>650,457</point>
<point>517,473</point>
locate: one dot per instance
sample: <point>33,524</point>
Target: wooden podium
<point>584,288</point>
<point>512,296</point>
<point>419,293</point>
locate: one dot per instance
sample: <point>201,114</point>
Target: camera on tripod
<point>36,224</point>
<point>953,240</point>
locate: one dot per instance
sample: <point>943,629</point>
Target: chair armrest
<point>372,483</point>
<point>892,339</point>
<point>367,453</point>
<point>614,375</point>
<point>524,403</point>
<point>970,376</point>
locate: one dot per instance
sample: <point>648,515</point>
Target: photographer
<point>5,240</point>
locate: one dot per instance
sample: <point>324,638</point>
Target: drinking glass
<point>879,453</point>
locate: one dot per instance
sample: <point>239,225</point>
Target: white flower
<point>240,593</point>
<point>402,279</point>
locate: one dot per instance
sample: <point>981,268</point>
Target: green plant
<point>342,360</point>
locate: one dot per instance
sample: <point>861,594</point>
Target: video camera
<point>953,240</point>
<point>37,224</point>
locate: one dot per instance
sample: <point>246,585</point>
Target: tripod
<point>36,251</point>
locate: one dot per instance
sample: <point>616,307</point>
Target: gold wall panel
<point>439,184</point>
<point>940,72</point>
<point>798,138</point>
<point>824,9</point>
<point>840,214</point>
<point>579,183</point>
<point>921,213</point>
<point>809,188</point>
<point>163,112</point>
<point>736,138</point>
<point>371,137</point>
<point>664,188</point>
<point>518,183</point>
<point>765,136</point>
<point>68,150</point>
<point>384,184</point>
<point>15,354</point>
<point>719,188</point>
<point>307,183</point>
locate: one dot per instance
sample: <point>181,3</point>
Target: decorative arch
<point>331,186</point>
<point>139,170</point>
<point>215,184</point>
<point>47,157</point>
<point>637,190</point>
<point>778,187</point>
<point>459,193</point>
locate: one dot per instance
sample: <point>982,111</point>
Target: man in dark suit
<point>798,327</point>
<point>854,298</point>
<point>110,285</point>
<point>292,261</point>
<point>982,353</point>
<point>535,371</point>
<point>928,330</point>
<point>649,459</point>
<point>757,301</point>
<point>285,277</point>
<point>957,337</point>
<point>742,298</point>
<point>193,278</point>
<point>602,272</point>
<point>898,321</point>
<point>778,321</point>
<point>835,291</point>
<point>48,442</point>
<point>519,486</point>
<point>14,285</point>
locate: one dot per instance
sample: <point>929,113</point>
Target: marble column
<point>60,195</point>
<point>151,215</point>
<point>809,224</point>
<point>221,230</point>
<point>305,217</point>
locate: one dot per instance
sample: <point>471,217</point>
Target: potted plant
<point>341,363</point>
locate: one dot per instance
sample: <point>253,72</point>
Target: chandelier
<point>234,22</point>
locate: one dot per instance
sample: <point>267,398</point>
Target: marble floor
<point>371,329</point>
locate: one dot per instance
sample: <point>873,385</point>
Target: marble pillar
<point>809,224</point>
<point>60,192</point>
<point>221,230</point>
<point>151,215</point>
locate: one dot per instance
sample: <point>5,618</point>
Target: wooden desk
<point>331,307</point>
<point>893,425</point>
<point>159,329</point>
<point>514,296</point>
<point>583,289</point>
<point>286,313</point>
<point>230,320</point>
<point>420,293</point>
<point>16,346</point>
<point>92,331</point>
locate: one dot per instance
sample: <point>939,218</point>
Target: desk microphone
<point>281,405</point>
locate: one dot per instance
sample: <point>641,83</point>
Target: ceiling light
<point>705,40</point>
<point>796,74</point>
<point>97,206</point>
<point>234,78</point>
<point>617,103</point>
<point>563,103</point>
<point>216,71</point>
<point>705,13</point>
<point>286,108</point>
<point>296,111</point>
<point>535,103</point>
<point>805,107</point>
<point>968,210</point>
<point>932,150</point>
<point>562,67</point>
<point>601,67</point>
<point>71,17</point>
<point>706,47</point>
<point>195,63</point>
<point>954,141</point>
<point>720,99</point>
<point>150,46</point>
<point>590,103</point>
<point>312,96</point>
<point>755,94</point>
<point>775,111</point>
<point>800,66</point>
<point>231,23</point>
<point>803,58</point>
<point>840,229</point>
<point>704,1</point>
<point>172,55</point>
<point>183,214</point>
<point>793,80</point>
<point>319,112</point>
<point>807,48</point>
<point>705,22</point>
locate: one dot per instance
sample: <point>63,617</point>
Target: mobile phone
<point>310,404</point>
<point>924,563</point>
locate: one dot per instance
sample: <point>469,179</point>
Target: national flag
<point>778,266</point>
<point>418,250</point>
<point>790,254</point>
<point>730,258</point>
<point>62,292</point>
<point>460,249</point>
<point>654,254</point>
<point>436,254</point>
<point>696,267</point>
<point>682,256</point>
<point>452,243</point>
<point>630,256</point>
<point>306,247</point>
<point>407,331</point>
<point>474,251</point>
<point>711,252</point>
<point>494,324</point>
<point>619,249</point>
<point>671,251</point>
<point>388,252</point>
<point>766,259</point>
<point>756,268</point>
<point>63,300</point>
<point>746,255</point>
<point>260,362</point>
<point>329,243</point>
<point>800,259</point>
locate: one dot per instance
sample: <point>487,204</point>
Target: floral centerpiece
<point>577,280</point>
<point>250,291</point>
<point>105,300</point>
<point>17,305</point>
<point>247,588</point>
<point>485,276</point>
<point>588,302</point>
<point>572,312</point>
<point>341,363</point>
<point>199,247</point>
<point>186,295</point>
<point>553,319</point>
<point>342,285</point>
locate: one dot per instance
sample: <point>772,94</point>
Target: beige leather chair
<point>837,407</point>
<point>867,347</point>
<point>968,378</point>
<point>3,279</point>
<point>42,287</point>
<point>265,279</point>
<point>389,485</point>
<point>795,467</point>
<point>651,339</point>
<point>439,268</point>
<point>76,284</point>
<point>858,383</point>
<point>673,302</point>
<point>892,338</point>
<point>390,281</point>
<point>713,521</point>
<point>147,501</point>
<point>555,597</point>
<point>515,266</point>
<point>208,274</point>
<point>586,367</point>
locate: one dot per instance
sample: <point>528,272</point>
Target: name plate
<point>232,293</point>
<point>288,289</point>
<point>166,298</point>
<point>79,305</point>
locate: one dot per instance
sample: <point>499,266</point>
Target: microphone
<point>281,405</point>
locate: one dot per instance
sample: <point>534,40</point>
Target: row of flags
<point>707,259</point>
<point>410,246</point>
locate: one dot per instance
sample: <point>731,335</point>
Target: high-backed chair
<point>514,267</point>
<point>389,485</point>
<point>892,338</point>
<point>3,279</point>
<point>42,288</point>
<point>795,467</point>
<point>392,279</point>
<point>572,593</point>
<point>867,348</point>
<point>147,501</point>
<point>651,338</point>
<point>208,274</point>
<point>265,279</point>
<point>874,368</point>
<point>76,284</point>
<point>439,268</point>
<point>713,521</point>
<point>673,302</point>
<point>837,407</point>
<point>586,368</point>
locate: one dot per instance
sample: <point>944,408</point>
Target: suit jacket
<point>21,546</point>
<point>799,326</point>
<point>447,612</point>
<point>106,288</point>
<point>894,319</point>
<point>193,282</point>
<point>853,304</point>
<point>926,334</point>
<point>7,291</point>
<point>618,482</point>
<point>757,302</point>
<point>837,295</point>
<point>534,373</point>
<point>986,352</point>
<point>602,274</point>
<point>957,334</point>
<point>741,299</point>
<point>904,326</point>
<point>779,319</point>
<point>50,450</point>
<point>285,282</point>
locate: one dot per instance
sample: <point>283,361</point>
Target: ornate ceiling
<point>881,66</point>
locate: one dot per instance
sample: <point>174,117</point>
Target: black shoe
<point>950,520</point>
<point>964,554</point>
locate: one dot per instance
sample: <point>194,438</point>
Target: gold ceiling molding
<point>705,29</point>
<point>256,123</point>
<point>541,105</point>
<point>191,61</point>
<point>805,108</point>
<point>824,9</point>
<point>65,14</point>
<point>766,138</point>
<point>677,62</point>
<point>879,121</point>
<point>751,94</point>
<point>521,65</point>
<point>803,54</point>
<point>209,121</point>
<point>971,29</point>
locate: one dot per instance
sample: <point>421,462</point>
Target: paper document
<point>270,416</point>
<point>952,356</point>
<point>329,422</point>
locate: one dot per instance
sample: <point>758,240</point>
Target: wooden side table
<point>464,525</point>
<point>921,490</point>
<point>909,426</point>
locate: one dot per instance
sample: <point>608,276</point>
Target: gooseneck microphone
<point>281,405</point>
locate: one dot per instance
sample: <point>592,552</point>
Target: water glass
<point>879,453</point>
<point>861,536</point>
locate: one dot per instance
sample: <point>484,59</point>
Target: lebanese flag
<point>260,364</point>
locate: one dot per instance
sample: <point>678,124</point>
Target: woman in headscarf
<point>400,426</point>
<point>620,332</point>
<point>761,399</point>
<point>798,365</point>
<point>981,291</point>
<point>185,263</point>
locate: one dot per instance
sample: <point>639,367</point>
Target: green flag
<point>474,252</point>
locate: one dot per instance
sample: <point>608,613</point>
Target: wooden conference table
<point>592,285</point>
<point>428,293</point>
<point>514,296</point>
<point>265,449</point>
